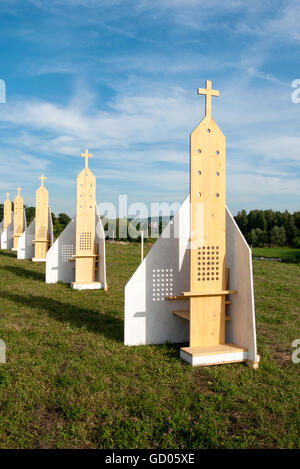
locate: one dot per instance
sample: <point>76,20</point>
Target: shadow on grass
<point>21,272</point>
<point>171,350</point>
<point>95,321</point>
<point>8,254</point>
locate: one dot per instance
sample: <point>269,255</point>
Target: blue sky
<point>120,78</point>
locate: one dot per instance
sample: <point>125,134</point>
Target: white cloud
<point>154,128</point>
<point>142,135</point>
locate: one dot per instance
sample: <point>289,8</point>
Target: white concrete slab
<point>217,359</point>
<point>86,286</point>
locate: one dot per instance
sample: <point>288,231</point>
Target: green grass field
<point>69,382</point>
<point>286,254</point>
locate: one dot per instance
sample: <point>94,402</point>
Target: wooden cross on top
<point>42,178</point>
<point>19,190</point>
<point>86,155</point>
<point>208,92</point>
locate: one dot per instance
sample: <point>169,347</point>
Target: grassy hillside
<point>286,254</point>
<point>70,383</point>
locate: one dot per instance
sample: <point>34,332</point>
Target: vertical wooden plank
<point>85,225</point>
<point>18,218</point>
<point>7,218</point>
<point>41,221</point>
<point>207,267</point>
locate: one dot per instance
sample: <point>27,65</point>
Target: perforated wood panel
<point>85,241</point>
<point>85,211</point>
<point>207,163</point>
<point>208,263</point>
<point>18,219</point>
<point>85,225</point>
<point>41,221</point>
<point>207,268</point>
<point>7,218</point>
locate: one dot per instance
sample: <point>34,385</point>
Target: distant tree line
<point>59,223</point>
<point>270,228</point>
<point>123,229</point>
<point>260,227</point>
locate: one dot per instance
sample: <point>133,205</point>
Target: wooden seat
<point>185,314</point>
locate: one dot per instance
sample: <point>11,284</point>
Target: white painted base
<point>86,286</point>
<point>215,355</point>
<point>35,259</point>
<point>14,249</point>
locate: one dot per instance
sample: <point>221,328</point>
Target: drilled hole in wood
<point>85,241</point>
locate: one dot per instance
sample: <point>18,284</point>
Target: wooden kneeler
<point>42,239</point>
<point>86,256</point>
<point>18,219</point>
<point>7,215</point>
<point>208,277</point>
<point>184,285</point>
<point>6,225</point>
